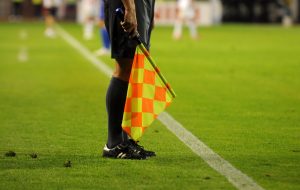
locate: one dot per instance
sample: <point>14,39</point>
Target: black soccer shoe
<point>122,151</point>
<point>141,149</point>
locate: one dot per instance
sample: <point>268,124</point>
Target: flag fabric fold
<point>148,94</point>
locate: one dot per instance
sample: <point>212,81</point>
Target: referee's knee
<point>123,69</point>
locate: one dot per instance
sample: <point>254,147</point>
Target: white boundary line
<point>84,52</point>
<point>240,180</point>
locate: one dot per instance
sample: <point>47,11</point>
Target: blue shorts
<point>121,45</point>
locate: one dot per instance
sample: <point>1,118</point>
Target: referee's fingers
<point>129,28</point>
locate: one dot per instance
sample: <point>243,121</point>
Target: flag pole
<point>120,15</point>
<point>146,53</point>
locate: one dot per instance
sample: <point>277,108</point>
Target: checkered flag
<point>148,94</point>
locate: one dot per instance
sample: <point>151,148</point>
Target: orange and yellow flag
<point>148,94</point>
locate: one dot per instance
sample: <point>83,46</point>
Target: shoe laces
<point>136,145</point>
<point>140,148</point>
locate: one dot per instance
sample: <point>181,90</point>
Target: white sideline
<point>238,179</point>
<point>84,52</point>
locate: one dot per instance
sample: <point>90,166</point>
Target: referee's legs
<point>115,102</point>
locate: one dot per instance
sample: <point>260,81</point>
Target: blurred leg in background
<point>177,32</point>
<point>89,8</point>
<point>50,8</point>
<point>105,49</point>
<point>191,23</point>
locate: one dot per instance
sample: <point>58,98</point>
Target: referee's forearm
<point>129,5</point>
<point>130,22</point>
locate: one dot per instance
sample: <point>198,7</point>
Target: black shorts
<point>121,45</point>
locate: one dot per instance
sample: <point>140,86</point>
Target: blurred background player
<point>105,49</point>
<point>50,8</point>
<point>185,14</point>
<point>89,11</point>
<point>287,19</point>
<point>37,4</point>
<point>16,10</point>
<point>217,11</point>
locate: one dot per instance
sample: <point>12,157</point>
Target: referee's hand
<point>129,24</point>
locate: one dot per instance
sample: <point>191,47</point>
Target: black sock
<point>115,102</point>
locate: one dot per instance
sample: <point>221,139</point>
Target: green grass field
<point>238,91</point>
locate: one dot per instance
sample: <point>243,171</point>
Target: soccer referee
<point>138,18</point>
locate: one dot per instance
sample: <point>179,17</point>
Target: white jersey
<point>51,3</point>
<point>89,8</point>
<point>186,9</point>
<point>184,4</point>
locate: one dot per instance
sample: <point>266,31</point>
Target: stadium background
<point>238,92</point>
<point>250,11</point>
